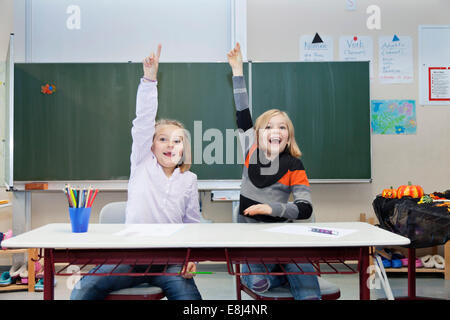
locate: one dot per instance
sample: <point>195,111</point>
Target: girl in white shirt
<point>161,189</point>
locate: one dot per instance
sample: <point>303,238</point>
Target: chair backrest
<point>311,219</point>
<point>113,212</point>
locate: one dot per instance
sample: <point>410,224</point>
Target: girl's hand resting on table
<point>258,209</point>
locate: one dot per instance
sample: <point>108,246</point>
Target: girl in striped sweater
<point>272,172</point>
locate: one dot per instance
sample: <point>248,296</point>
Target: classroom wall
<point>273,33</point>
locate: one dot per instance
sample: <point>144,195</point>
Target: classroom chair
<point>328,290</point>
<point>114,212</point>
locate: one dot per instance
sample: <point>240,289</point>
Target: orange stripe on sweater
<point>295,177</point>
<point>247,160</point>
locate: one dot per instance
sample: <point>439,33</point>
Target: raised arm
<point>146,108</point>
<point>243,116</point>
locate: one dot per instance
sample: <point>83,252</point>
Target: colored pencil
<point>89,193</point>
<point>81,204</point>
<point>85,198</point>
<point>68,197</point>
<point>74,202</point>
<point>93,197</point>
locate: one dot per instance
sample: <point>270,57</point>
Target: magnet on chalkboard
<point>317,39</point>
<point>48,89</point>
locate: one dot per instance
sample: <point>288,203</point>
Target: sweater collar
<point>263,172</point>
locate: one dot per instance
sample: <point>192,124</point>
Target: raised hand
<point>235,60</point>
<point>150,64</point>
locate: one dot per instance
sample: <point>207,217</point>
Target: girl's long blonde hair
<point>261,123</point>
<point>186,159</point>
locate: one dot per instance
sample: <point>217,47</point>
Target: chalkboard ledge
<point>122,185</point>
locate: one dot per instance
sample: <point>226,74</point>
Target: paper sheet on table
<point>304,230</point>
<point>150,230</point>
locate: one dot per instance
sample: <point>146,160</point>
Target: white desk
<point>228,242</point>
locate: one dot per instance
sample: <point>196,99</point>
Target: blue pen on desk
<point>324,231</point>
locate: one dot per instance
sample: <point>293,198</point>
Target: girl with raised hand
<point>161,189</point>
<point>272,172</point>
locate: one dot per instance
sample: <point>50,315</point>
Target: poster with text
<point>320,51</point>
<point>439,84</point>
<point>395,59</point>
<point>356,48</point>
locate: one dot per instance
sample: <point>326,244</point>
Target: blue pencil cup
<point>79,219</point>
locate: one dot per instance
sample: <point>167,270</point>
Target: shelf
<point>14,287</point>
<point>13,251</point>
<point>32,256</point>
<point>417,270</point>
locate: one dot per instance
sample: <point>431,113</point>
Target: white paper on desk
<point>306,231</point>
<point>153,230</point>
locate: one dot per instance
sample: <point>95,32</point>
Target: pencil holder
<point>79,219</point>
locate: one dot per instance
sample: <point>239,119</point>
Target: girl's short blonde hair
<point>263,120</point>
<point>186,159</point>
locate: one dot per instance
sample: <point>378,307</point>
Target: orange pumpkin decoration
<point>409,190</point>
<point>389,193</point>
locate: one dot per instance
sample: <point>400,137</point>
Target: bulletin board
<point>434,64</point>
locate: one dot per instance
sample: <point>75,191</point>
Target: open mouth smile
<point>275,140</point>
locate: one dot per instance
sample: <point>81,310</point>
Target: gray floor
<point>220,286</point>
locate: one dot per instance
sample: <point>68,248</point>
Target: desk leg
<point>238,283</point>
<point>21,219</point>
<point>447,260</point>
<point>411,273</point>
<point>49,277</point>
<point>364,291</point>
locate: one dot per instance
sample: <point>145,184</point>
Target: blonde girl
<point>272,172</point>
<point>161,189</point>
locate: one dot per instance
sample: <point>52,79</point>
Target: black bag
<point>424,224</point>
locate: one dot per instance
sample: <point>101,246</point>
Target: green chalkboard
<point>83,130</point>
<point>328,102</point>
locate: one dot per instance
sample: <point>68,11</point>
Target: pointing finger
<point>158,52</point>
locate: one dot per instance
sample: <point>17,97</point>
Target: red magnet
<point>48,89</point>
